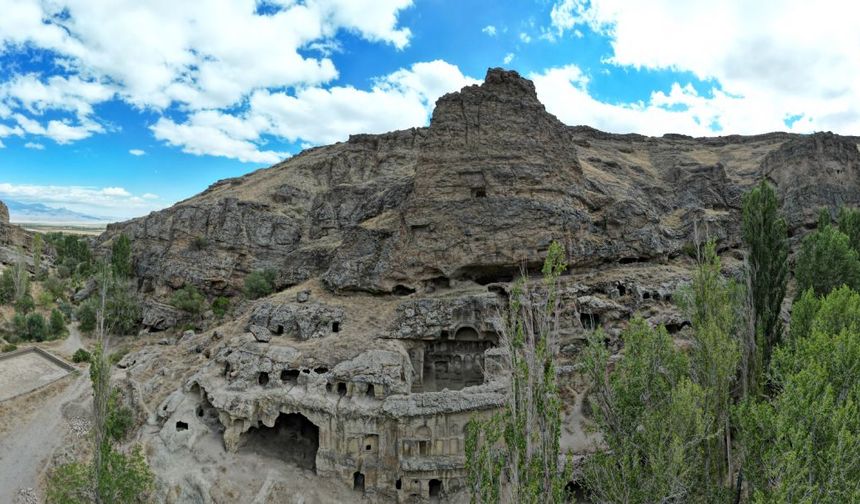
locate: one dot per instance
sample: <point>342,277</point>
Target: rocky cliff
<point>393,254</point>
<point>13,240</point>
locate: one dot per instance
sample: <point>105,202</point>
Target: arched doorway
<point>293,438</point>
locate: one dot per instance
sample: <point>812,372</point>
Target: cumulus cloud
<point>770,63</point>
<point>100,201</point>
<point>34,146</point>
<point>207,54</point>
<point>137,152</point>
<point>489,30</point>
<point>316,115</point>
<point>508,58</point>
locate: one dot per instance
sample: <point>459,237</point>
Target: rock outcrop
<point>394,255</point>
<point>4,213</point>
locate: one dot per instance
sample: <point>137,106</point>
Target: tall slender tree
<point>766,236</point>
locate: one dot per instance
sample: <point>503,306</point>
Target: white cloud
<point>525,37</point>
<point>206,54</point>
<point>216,134</point>
<point>137,152</point>
<point>770,61</point>
<point>316,115</point>
<point>508,58</point>
<point>107,201</point>
<point>34,146</point>
<point>150,196</point>
<point>489,30</point>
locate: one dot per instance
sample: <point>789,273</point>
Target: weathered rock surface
<point>394,255</point>
<point>4,213</point>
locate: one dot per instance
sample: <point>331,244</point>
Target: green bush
<point>87,317</point>
<point>9,347</point>
<point>19,325</point>
<point>120,418</point>
<point>57,323</point>
<point>7,287</point>
<point>220,306</point>
<point>189,300</point>
<point>81,355</point>
<point>37,328</point>
<point>827,261</point>
<point>25,304</point>
<point>260,284</point>
<point>122,309</point>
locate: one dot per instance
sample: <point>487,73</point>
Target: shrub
<point>260,284</point>
<point>199,243</point>
<point>81,355</point>
<point>19,325</point>
<point>25,304</point>
<point>220,306</point>
<point>87,317</point>
<point>7,287</point>
<point>37,329</point>
<point>9,347</point>
<point>189,300</point>
<point>120,418</point>
<point>57,323</point>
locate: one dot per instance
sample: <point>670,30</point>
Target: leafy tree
<point>25,303</point>
<point>122,307</point>
<point>220,306</point>
<point>653,420</point>
<point>765,234</point>
<point>713,304</point>
<point>522,441</point>
<point>111,475</point>
<point>189,300</point>
<point>849,223</point>
<point>803,445</point>
<point>87,317</point>
<point>120,418</point>
<point>259,284</point>
<point>57,323</point>
<point>19,326</point>
<point>121,257</point>
<point>826,261</point>
<point>55,287</point>
<point>37,329</point>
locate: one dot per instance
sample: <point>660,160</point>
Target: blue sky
<point>116,108</point>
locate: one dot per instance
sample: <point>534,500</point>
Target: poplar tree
<point>765,234</point>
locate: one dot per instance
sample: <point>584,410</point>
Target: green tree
<point>37,329</point>
<point>189,300</point>
<point>765,234</point>
<point>259,284</point>
<point>522,441</point>
<point>826,261</point>
<point>121,257</point>
<point>713,304</point>
<point>803,444</point>
<point>112,475</point>
<point>849,223</point>
<point>652,418</point>
<point>122,308</point>
<point>87,317</point>
<point>57,323</point>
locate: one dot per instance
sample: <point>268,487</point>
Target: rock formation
<point>4,213</point>
<point>14,241</point>
<point>393,254</point>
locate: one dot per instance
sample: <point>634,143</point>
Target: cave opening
<point>341,389</point>
<point>293,438</point>
<point>358,481</point>
<point>370,390</point>
<point>289,375</point>
<point>479,192</point>
<point>335,327</point>
<point>181,426</point>
<point>263,378</point>
<point>435,488</point>
<point>402,290</point>
<point>589,321</point>
<point>279,331</point>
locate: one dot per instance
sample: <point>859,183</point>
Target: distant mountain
<point>43,214</point>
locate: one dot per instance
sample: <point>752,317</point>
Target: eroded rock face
<point>395,256</point>
<point>4,213</point>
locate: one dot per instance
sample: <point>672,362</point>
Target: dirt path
<point>35,427</point>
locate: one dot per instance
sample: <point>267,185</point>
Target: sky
<point>116,108</point>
